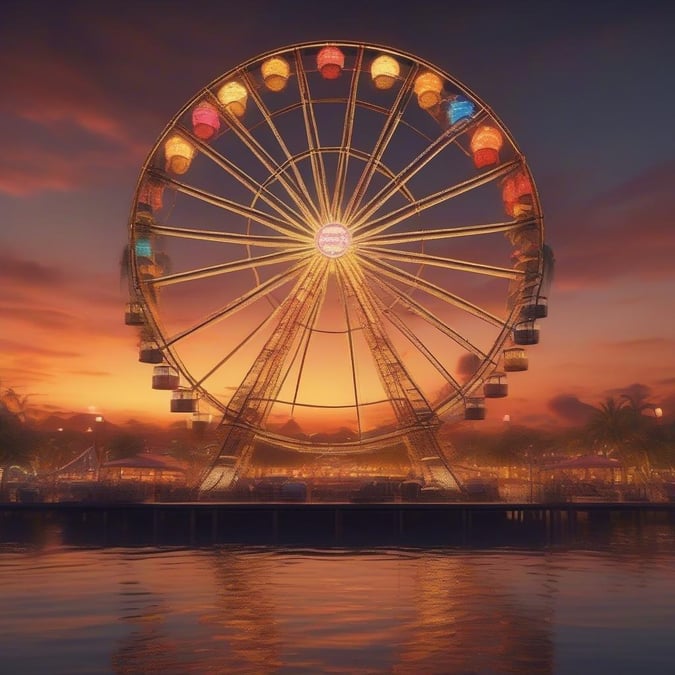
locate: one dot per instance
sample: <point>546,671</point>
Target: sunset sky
<point>585,88</point>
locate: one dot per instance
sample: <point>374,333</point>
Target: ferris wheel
<point>333,246</point>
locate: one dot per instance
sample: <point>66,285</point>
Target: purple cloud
<point>570,408</point>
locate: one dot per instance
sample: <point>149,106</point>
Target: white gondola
<point>165,377</point>
<point>184,400</point>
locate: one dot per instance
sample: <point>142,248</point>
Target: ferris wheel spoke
<point>391,124</point>
<point>436,261</point>
<point>445,233</point>
<point>389,220</point>
<point>290,160</point>
<point>263,381</point>
<point>421,311</point>
<point>396,321</point>
<point>411,280</point>
<point>306,338</point>
<point>284,210</point>
<point>225,268</point>
<point>449,136</point>
<point>231,206</point>
<point>352,355</point>
<point>245,340</point>
<point>259,291</point>
<point>225,237</point>
<point>303,343</point>
<point>313,142</point>
<point>346,143</point>
<point>294,191</point>
<point>408,401</point>
<point>359,154</point>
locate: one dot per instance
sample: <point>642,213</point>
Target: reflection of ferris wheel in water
<point>319,252</point>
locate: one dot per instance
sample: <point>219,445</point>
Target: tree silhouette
<point>611,426</point>
<point>622,428</point>
<point>123,445</point>
<point>16,438</point>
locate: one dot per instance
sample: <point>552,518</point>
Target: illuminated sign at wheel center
<point>333,240</point>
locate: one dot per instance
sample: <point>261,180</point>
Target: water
<point>578,608</point>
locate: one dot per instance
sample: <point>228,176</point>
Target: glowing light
<point>333,240</point>
<point>275,72</point>
<point>179,154</point>
<point>330,61</point>
<point>205,120</point>
<point>486,143</point>
<point>384,70</point>
<point>517,194</point>
<point>233,96</point>
<point>428,87</point>
<point>460,108</point>
<point>143,248</point>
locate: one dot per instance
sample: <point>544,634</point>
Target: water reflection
<point>244,620</point>
<point>147,646</point>
<point>236,609</point>
<point>477,617</point>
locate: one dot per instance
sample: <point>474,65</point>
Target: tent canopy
<point>147,460</point>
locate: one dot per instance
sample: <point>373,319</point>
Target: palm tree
<point>16,439</point>
<point>16,404</point>
<point>621,428</point>
<point>610,426</point>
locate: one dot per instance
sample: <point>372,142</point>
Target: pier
<point>334,524</point>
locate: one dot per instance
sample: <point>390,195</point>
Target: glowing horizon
<point>74,151</point>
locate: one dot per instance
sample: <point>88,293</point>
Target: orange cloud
<point>27,349</point>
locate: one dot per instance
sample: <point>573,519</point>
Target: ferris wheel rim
<point>488,358</point>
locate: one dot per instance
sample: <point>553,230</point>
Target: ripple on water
<point>311,610</point>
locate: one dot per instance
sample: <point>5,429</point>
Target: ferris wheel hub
<point>333,240</point>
